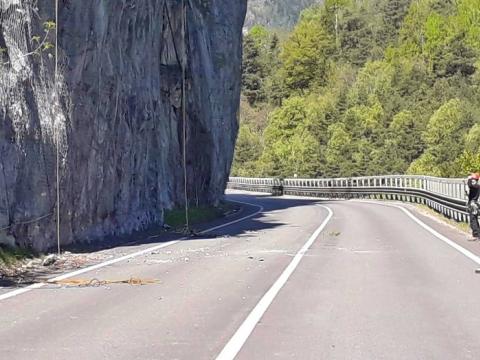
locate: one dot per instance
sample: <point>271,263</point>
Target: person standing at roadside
<point>473,184</point>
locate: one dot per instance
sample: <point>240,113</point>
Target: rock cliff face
<point>276,13</point>
<point>117,112</point>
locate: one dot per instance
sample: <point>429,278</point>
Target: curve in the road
<point>434,232</point>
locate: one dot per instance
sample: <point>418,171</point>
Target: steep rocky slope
<point>117,113</point>
<point>276,13</point>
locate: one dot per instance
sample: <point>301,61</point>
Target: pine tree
<point>393,12</point>
<point>252,72</point>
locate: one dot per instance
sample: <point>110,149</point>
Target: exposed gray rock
<point>117,115</point>
<point>33,263</point>
<point>49,260</point>
<point>276,13</point>
<point>7,240</point>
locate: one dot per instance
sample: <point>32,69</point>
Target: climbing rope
<point>56,129</point>
<point>184,114</point>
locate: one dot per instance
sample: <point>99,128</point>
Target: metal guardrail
<point>446,196</point>
<point>267,185</point>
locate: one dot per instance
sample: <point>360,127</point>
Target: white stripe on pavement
<point>13,293</point>
<point>236,343</point>
<point>435,233</point>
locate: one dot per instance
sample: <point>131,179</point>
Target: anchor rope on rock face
<point>182,62</point>
<point>57,131</point>
<point>184,114</point>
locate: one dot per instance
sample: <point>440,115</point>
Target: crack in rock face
<point>115,113</point>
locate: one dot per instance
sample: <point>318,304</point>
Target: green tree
<point>358,32</point>
<point>470,159</point>
<point>404,143</point>
<point>394,12</point>
<point>290,146</point>
<point>247,152</point>
<point>252,79</point>
<point>445,140</point>
<point>469,20</point>
<point>339,151</point>
<point>305,55</point>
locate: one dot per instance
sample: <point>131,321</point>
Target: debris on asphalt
<point>259,259</point>
<point>335,233</point>
<point>153,261</point>
<point>49,260</point>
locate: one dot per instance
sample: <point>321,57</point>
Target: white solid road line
<point>435,233</point>
<point>236,343</point>
<point>17,292</point>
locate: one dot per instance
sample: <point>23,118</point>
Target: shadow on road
<point>156,235</point>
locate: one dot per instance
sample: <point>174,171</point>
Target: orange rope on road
<point>96,282</point>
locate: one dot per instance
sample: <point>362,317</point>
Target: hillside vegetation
<point>364,88</point>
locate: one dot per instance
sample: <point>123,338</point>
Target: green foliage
<point>248,151</point>
<point>41,44</point>
<point>468,19</point>
<point>394,13</point>
<point>445,140</point>
<point>305,55</point>
<point>339,150</point>
<point>404,142</point>
<point>260,62</point>
<point>9,256</point>
<point>367,88</point>
<point>49,25</point>
<point>290,145</point>
<point>252,72</point>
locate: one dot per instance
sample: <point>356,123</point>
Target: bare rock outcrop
<point>115,112</point>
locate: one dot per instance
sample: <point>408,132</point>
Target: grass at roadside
<point>197,215</point>
<point>9,256</point>
<point>458,225</point>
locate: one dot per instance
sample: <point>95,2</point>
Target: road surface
<point>373,284</point>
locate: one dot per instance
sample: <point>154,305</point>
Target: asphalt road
<point>373,284</point>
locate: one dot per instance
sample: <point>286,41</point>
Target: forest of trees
<point>364,87</point>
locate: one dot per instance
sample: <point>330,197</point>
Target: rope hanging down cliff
<point>184,113</point>
<point>56,129</point>
<point>182,62</point>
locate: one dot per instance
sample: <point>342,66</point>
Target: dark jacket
<point>474,189</point>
